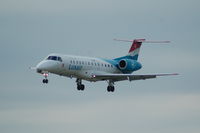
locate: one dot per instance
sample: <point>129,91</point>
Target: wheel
<point>82,87</point>
<point>108,89</point>
<point>43,81</point>
<point>78,87</point>
<point>112,88</point>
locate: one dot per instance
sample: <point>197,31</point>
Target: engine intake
<point>122,64</point>
<point>129,65</point>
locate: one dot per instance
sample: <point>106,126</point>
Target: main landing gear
<point>110,87</point>
<point>45,80</point>
<point>80,86</point>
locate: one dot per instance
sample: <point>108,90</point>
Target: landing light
<point>45,74</point>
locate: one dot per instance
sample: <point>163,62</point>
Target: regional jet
<point>97,69</point>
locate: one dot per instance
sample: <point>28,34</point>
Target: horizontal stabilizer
<point>142,41</point>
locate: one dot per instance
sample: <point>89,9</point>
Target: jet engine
<point>128,65</point>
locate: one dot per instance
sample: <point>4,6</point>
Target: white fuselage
<point>97,69</point>
<point>77,66</point>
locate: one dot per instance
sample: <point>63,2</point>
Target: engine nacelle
<point>128,65</point>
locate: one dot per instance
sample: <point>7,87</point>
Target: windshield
<point>56,58</point>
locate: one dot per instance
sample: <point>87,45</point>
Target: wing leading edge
<point>130,77</point>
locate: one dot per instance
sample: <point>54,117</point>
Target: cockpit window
<point>56,58</point>
<point>59,59</point>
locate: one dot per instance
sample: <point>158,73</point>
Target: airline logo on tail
<point>136,45</point>
<point>135,48</point>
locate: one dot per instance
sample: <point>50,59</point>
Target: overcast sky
<point>31,29</point>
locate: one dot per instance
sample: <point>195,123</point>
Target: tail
<point>135,47</point>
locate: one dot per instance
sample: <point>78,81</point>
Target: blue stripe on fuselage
<point>127,57</point>
<point>115,62</point>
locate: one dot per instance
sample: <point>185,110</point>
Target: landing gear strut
<point>80,86</point>
<point>45,80</point>
<point>110,87</point>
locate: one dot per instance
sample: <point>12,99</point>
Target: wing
<point>130,77</point>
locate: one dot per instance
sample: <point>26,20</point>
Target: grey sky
<point>31,29</point>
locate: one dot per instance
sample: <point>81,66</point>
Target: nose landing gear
<point>45,80</point>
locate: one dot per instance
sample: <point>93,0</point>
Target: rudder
<point>135,48</point>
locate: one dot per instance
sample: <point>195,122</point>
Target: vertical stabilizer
<point>135,48</point>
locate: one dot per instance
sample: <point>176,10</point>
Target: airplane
<point>97,69</point>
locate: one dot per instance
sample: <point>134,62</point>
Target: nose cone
<point>45,66</point>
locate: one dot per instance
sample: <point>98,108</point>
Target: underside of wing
<point>130,77</point>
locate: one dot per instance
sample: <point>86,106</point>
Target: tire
<point>78,87</point>
<point>82,87</point>
<point>108,89</point>
<point>112,88</point>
